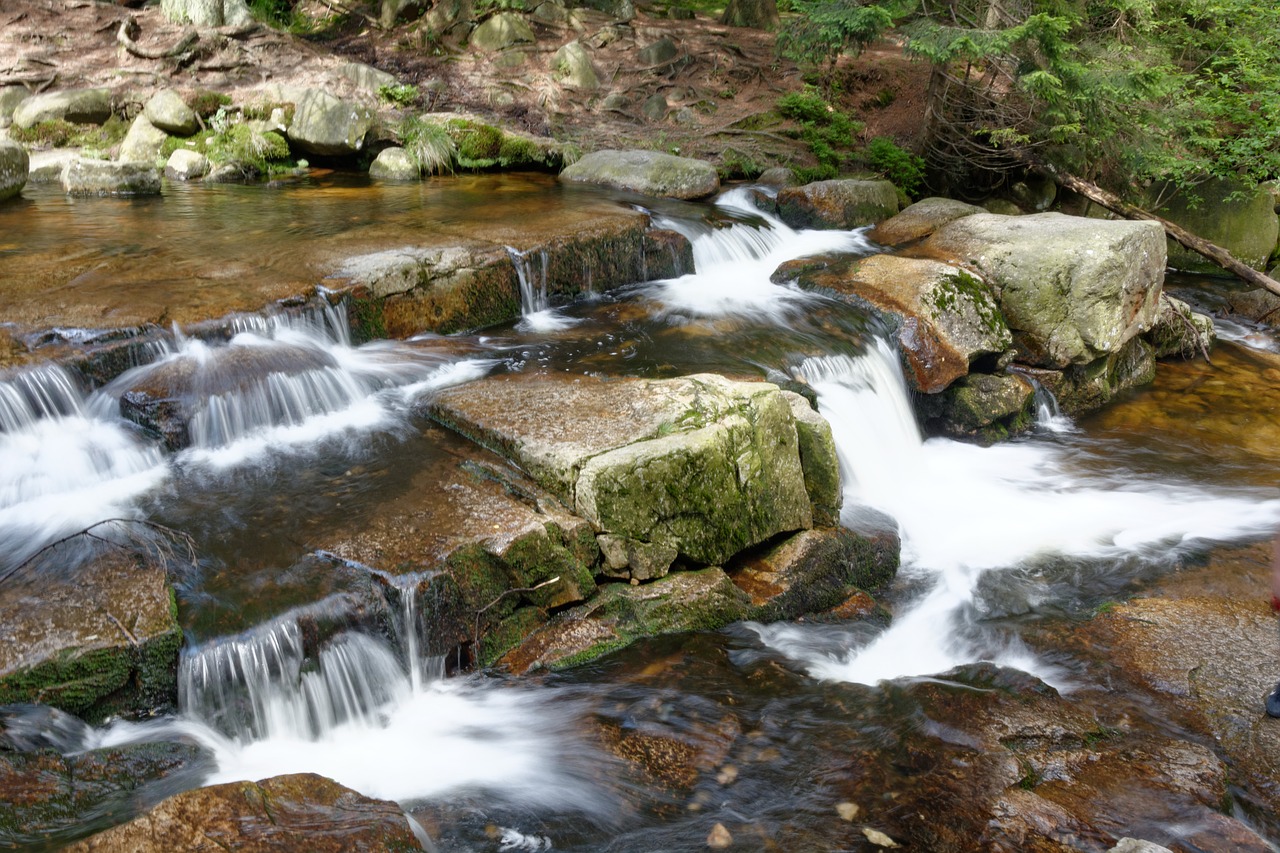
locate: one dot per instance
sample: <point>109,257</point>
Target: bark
<point>1212,251</point>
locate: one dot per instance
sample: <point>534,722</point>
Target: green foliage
<point>429,144</point>
<point>404,95</point>
<point>905,169</point>
<point>478,144</point>
<point>205,103</point>
<point>827,131</point>
<point>823,30</point>
<point>738,164</point>
<point>262,110</point>
<point>59,133</point>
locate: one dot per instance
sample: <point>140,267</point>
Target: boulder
<point>186,165</point>
<point>655,107</point>
<point>701,463</point>
<point>79,106</point>
<point>327,126</point>
<point>394,164</point>
<point>758,14</point>
<point>837,204</point>
<point>1180,331</point>
<point>1080,389</point>
<point>572,65</point>
<point>944,317</point>
<point>95,639</point>
<point>15,165</point>
<point>501,31</point>
<point>660,52</point>
<point>207,13</point>
<point>550,13</point>
<point>819,460</point>
<point>1072,290</point>
<point>1035,193</point>
<point>10,98</point>
<point>105,177</point>
<point>366,77</point>
<point>1259,305</point>
<point>1246,226</point>
<point>779,176</point>
<point>298,812</point>
<point>47,166</point>
<point>988,407</point>
<point>646,172</point>
<point>814,570</point>
<point>620,614</point>
<point>167,111</point>
<point>920,220</point>
<point>1002,207</point>
<point>143,142</point>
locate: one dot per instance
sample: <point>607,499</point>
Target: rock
<point>207,13</point>
<point>551,13</point>
<point>719,838</point>
<point>1001,207</point>
<point>78,106</point>
<point>847,811</point>
<point>48,795</point>
<point>1133,845</point>
<point>778,176</point>
<point>819,460</point>
<point>943,317</point>
<point>630,559</point>
<point>1246,227</point>
<point>501,31</point>
<point>1071,290</point>
<point>186,165</point>
<point>619,11</point>
<point>646,172</point>
<point>837,204</point>
<point>758,14</point>
<point>1259,305</point>
<point>984,406</point>
<point>1035,193</point>
<point>298,812</point>
<point>105,177</point>
<point>143,142</point>
<point>394,164</point>
<point>1179,331</point>
<point>328,127</point>
<point>366,77</point>
<point>10,98</point>
<point>708,465</point>
<point>878,838</point>
<point>1080,389</point>
<point>15,165</point>
<point>620,614</point>
<point>167,111</point>
<point>93,640</point>
<point>655,107</point>
<point>660,52</point>
<point>47,166</point>
<point>920,220</point>
<point>572,65</point>
<point>814,570</point>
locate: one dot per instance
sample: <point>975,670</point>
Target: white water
<point>733,264</point>
<point>536,313</point>
<point>962,510</point>
<point>62,468</point>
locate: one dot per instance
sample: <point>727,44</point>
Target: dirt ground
<point>722,77</point>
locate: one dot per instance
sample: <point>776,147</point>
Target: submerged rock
<point>647,172</point>
<point>110,178</point>
<point>920,220</point>
<point>15,165</point>
<point>298,812</point>
<point>837,204</point>
<point>1072,290</point>
<point>93,639</point>
<point>78,106</point>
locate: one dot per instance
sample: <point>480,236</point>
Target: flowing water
<point>297,435</point>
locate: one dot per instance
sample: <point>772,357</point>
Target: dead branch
<point>129,29</point>
<point>128,635</point>
<point>163,549</point>
<point>1191,327</point>
<point>475,634</point>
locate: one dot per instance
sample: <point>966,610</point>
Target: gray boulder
<point>662,51</point>
<point>572,65</point>
<point>167,111</point>
<point>106,177</point>
<point>837,204</point>
<point>207,13</point>
<point>647,172</point>
<point>186,165</point>
<point>327,126</point>
<point>79,106</point>
<point>394,164</point>
<point>1241,219</point>
<point>920,220</point>
<point>47,166</point>
<point>10,98</point>
<point>501,31</point>
<point>778,176</point>
<point>143,142</point>
<point>15,165</point>
<point>366,77</point>
<point>655,107</point>
<point>984,406</point>
<point>1072,290</point>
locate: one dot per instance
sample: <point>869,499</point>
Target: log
<point>1212,251</point>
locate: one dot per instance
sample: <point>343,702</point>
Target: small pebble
<point>878,838</point>
<point>847,811</point>
<point>727,775</point>
<point>719,837</point>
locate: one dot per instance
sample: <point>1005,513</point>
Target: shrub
<point>905,169</point>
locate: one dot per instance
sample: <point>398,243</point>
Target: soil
<point>720,88</point>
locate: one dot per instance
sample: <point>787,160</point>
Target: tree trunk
<point>1212,251</point>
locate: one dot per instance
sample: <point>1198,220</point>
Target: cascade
<point>533,282</point>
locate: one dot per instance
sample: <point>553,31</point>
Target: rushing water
<point>295,431</point>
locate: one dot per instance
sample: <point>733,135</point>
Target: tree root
<point>129,29</point>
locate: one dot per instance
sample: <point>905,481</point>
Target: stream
<point>301,437</point>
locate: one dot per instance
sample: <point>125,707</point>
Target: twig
<point>132,639</point>
<point>475,634</point>
<point>1191,327</point>
<point>161,551</point>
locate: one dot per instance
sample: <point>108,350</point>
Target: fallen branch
<point>129,28</point>
<point>1201,246</point>
<point>475,634</point>
<point>1191,327</point>
<point>129,636</point>
<point>162,549</point>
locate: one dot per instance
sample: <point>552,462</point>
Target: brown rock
<point>920,220</point>
<point>837,204</point>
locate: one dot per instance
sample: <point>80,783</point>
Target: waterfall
<point>533,282</point>
<point>62,467</point>
<point>966,513</point>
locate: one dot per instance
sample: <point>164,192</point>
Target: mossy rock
<point>1241,219</point>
